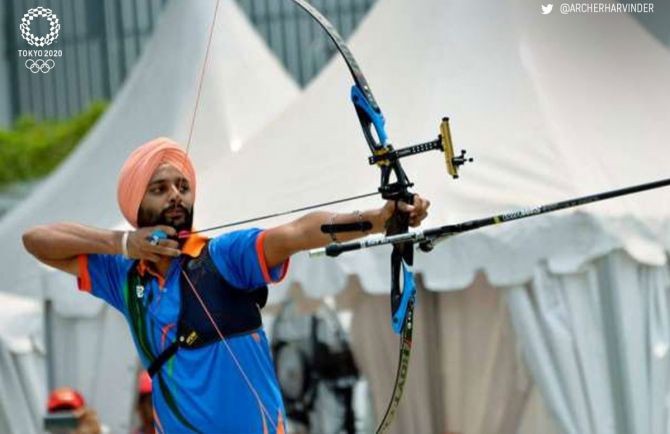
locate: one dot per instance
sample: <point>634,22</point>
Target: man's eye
<point>157,190</point>
<point>183,188</point>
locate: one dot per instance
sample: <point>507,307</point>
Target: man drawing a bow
<point>192,303</point>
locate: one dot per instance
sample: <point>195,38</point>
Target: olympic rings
<point>40,65</point>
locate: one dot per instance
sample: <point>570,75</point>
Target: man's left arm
<point>305,233</point>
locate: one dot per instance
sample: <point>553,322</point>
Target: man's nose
<point>175,195</point>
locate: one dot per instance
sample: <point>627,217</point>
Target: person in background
<point>144,407</point>
<point>68,414</point>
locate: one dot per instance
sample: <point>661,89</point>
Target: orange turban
<point>140,166</point>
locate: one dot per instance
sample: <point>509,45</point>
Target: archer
<point>193,303</point>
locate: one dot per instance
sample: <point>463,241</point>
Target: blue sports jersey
<point>225,387</point>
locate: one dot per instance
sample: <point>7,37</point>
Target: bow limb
<point>402,279</point>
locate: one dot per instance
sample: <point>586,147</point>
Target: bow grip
<point>399,221</point>
<point>402,295</point>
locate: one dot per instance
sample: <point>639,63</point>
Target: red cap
<point>144,383</point>
<point>65,398</point>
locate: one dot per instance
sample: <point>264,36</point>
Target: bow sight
<point>443,143</point>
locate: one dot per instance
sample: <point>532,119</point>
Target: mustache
<point>183,222</point>
<point>175,208</point>
<point>148,217</point>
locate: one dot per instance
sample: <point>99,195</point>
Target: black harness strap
<point>236,311</point>
<point>162,358</point>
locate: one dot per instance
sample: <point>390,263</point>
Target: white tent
<point>243,87</point>
<point>551,107</point>
<point>22,368</point>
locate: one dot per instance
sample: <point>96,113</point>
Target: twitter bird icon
<point>547,9</point>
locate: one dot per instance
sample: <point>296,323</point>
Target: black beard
<point>149,218</point>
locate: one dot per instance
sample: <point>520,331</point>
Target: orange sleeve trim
<point>260,252</point>
<point>83,278</point>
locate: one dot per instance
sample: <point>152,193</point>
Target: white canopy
<point>544,104</point>
<point>22,369</point>
<point>551,107</point>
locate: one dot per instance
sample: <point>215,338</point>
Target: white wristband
<point>124,243</point>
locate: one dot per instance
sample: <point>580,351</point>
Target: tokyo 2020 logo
<point>39,41</point>
<point>40,60</point>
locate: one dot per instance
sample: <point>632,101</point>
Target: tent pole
<point>48,336</point>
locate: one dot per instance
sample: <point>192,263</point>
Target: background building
<point>102,40</point>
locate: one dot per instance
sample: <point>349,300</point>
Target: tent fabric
<point>22,369</point>
<point>96,355</point>
<point>597,343</point>
<point>506,76</point>
<point>22,403</point>
<point>466,373</point>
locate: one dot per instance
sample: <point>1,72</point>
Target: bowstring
<point>263,409</point>
<point>200,82</point>
<point>254,392</point>
<point>186,234</point>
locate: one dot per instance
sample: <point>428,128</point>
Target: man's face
<point>168,200</point>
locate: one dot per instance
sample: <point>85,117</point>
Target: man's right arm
<point>60,244</point>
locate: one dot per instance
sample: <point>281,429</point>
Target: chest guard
<point>235,311</point>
